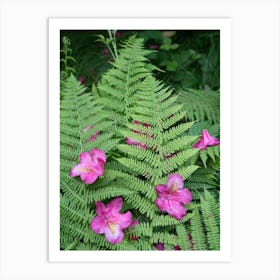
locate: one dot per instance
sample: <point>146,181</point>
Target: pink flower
<point>118,34</point>
<point>173,196</point>
<point>93,137</point>
<point>91,166</point>
<point>110,221</point>
<point>82,79</point>
<point>206,140</point>
<point>177,248</point>
<point>160,246</point>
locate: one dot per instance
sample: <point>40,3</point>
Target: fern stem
<point>113,38</point>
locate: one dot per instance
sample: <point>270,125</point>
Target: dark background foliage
<point>189,59</point>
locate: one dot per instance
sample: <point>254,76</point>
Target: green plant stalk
<point>113,40</point>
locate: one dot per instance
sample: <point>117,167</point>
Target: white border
<point>222,24</point>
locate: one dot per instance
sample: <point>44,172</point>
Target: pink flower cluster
<point>109,220</point>
<point>172,197</point>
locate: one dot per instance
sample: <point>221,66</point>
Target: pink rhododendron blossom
<point>91,166</point>
<point>160,246</point>
<point>173,196</point>
<point>110,221</point>
<point>206,140</point>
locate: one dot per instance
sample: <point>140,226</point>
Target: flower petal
<point>161,189</point>
<point>131,142</point>
<point>89,177</point>
<point>98,156</point>
<point>77,170</point>
<point>115,205</point>
<point>162,203</point>
<point>93,137</point>
<point>177,248</point>
<point>175,182</point>
<point>209,140</point>
<point>114,234</point>
<point>160,246</point>
<point>124,220</point>
<point>100,208</point>
<point>206,140</point>
<point>184,196</point>
<point>200,144</point>
<point>142,146</point>
<point>98,225</point>
<point>85,158</point>
<point>176,210</point>
<point>98,168</point>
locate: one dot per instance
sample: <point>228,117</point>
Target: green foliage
<point>205,223</point>
<point>201,105</point>
<point>123,81</point>
<point>66,60</point>
<point>190,59</point>
<point>130,103</point>
<point>211,218</point>
<point>153,163</point>
<point>76,114</point>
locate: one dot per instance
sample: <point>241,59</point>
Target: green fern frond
<point>164,221</point>
<point>197,231</point>
<point>211,153</point>
<point>74,204</point>
<point>201,105</point>
<point>123,81</point>
<point>66,60</point>
<point>164,237</point>
<point>183,241</point>
<point>209,215</point>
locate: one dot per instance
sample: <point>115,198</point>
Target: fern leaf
<point>197,231</point>
<point>212,226</point>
